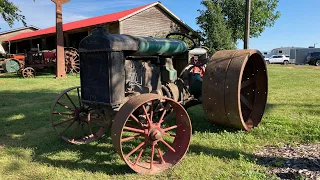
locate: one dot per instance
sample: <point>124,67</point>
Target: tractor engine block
<point>141,77</point>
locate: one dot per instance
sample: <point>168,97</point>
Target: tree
<point>217,35</point>
<point>10,12</point>
<point>263,15</point>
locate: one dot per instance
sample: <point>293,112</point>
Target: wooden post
<point>247,25</point>
<point>61,72</point>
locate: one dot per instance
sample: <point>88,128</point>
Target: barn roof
<point>118,16</point>
<point>19,29</point>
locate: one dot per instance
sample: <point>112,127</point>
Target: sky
<point>298,25</point>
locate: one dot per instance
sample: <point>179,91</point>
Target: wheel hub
<point>155,135</point>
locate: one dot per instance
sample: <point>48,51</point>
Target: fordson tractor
<point>140,88</point>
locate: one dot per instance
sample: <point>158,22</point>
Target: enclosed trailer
<point>298,56</point>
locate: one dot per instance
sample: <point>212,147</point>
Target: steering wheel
<point>184,37</point>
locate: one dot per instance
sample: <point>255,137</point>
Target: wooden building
<point>148,20</point>
<point>14,32</point>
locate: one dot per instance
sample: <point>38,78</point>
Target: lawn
<point>30,149</point>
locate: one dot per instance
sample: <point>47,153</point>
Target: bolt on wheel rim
<point>73,121</point>
<point>149,139</point>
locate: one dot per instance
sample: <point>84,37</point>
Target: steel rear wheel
<point>151,133</point>
<point>317,63</point>
<point>73,121</point>
<point>72,60</point>
<point>235,88</point>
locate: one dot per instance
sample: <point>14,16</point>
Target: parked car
<point>313,58</point>
<point>278,59</point>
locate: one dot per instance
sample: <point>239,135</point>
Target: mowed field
<point>30,149</point>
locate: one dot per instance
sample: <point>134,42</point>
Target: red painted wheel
<point>149,139</point>
<point>73,121</point>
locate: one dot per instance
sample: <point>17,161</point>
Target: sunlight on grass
<point>30,148</point>
<point>16,136</point>
<point>16,117</point>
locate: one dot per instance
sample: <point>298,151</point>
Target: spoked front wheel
<point>151,133</point>
<point>73,121</point>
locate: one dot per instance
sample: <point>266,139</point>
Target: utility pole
<point>247,25</point>
<point>61,72</point>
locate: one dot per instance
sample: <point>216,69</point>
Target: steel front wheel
<point>317,63</point>
<point>73,121</point>
<point>151,133</point>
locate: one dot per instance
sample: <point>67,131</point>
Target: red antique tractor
<point>140,87</point>
<point>40,60</point>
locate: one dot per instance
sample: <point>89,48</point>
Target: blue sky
<point>298,25</point>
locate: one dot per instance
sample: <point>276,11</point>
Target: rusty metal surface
<point>235,88</point>
<point>152,133</point>
<point>74,122</point>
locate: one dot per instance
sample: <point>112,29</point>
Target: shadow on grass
<point>24,123</point>
<point>37,134</point>
<point>92,158</point>
<point>200,122</point>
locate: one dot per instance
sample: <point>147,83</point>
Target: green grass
<point>30,149</point>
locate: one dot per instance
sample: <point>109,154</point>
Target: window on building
<point>280,51</point>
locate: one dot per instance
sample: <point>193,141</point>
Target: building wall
<point>151,22</point>
<point>6,36</point>
<point>9,35</point>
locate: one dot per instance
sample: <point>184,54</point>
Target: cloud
<point>41,13</point>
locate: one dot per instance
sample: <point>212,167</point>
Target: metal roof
<point>19,29</point>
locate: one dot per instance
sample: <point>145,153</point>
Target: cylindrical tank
<point>150,46</point>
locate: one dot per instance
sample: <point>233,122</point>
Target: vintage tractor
<point>140,87</point>
<point>27,64</point>
<point>39,60</point>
